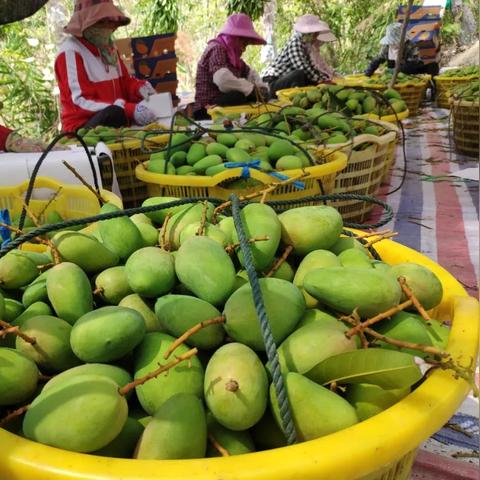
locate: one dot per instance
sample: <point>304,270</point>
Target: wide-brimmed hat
<point>88,12</point>
<point>241,25</point>
<point>312,24</point>
<point>392,34</point>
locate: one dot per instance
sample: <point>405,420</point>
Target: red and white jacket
<point>87,85</point>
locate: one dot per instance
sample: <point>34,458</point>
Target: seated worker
<point>223,78</point>
<point>411,62</point>
<point>11,141</point>
<point>95,86</point>
<point>299,62</point>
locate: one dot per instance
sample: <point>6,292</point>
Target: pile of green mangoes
<point>111,311</point>
<point>473,71</point>
<point>467,91</point>
<point>384,78</point>
<point>350,101</point>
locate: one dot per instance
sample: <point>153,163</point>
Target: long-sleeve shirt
<point>4,133</point>
<point>88,86</point>
<point>410,56</point>
<point>294,56</point>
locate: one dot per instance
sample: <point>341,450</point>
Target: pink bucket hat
<point>88,12</point>
<point>240,25</point>
<point>312,24</point>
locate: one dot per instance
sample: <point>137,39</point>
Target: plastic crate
<point>126,156</point>
<point>71,201</point>
<point>236,111</point>
<point>466,126</point>
<point>216,186</point>
<point>444,84</point>
<point>380,448</point>
<point>364,172</point>
<point>285,94</point>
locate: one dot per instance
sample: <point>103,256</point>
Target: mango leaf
<point>386,368</point>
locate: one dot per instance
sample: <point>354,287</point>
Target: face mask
<point>98,35</point>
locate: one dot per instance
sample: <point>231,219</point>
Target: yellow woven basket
<point>444,84</point>
<point>380,448</point>
<point>466,126</point>
<point>233,112</point>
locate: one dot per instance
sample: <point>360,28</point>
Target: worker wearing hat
<point>299,62</point>
<point>411,62</point>
<point>95,86</point>
<point>223,78</point>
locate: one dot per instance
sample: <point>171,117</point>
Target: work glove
<point>143,115</point>
<point>146,91</point>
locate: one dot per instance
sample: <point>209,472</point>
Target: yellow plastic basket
<point>233,112</point>
<point>365,171</point>
<point>216,186</point>
<point>71,201</point>
<point>444,84</point>
<point>285,94</point>
<point>126,156</point>
<point>466,126</point>
<point>380,448</point>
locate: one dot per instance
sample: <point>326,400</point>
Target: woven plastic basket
<point>444,84</point>
<point>466,126</point>
<point>236,111</point>
<point>217,186</point>
<point>380,448</point>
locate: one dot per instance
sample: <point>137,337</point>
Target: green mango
<point>107,334</point>
<point>228,228</point>
<point>18,377</point>
<point>267,434</point>
<point>36,308</point>
<point>149,234</point>
<point>282,127</point>
<point>284,305</point>
<point>211,231</point>
<point>204,267</point>
<point>280,148</point>
<point>346,243</point>
<point>11,309</point>
<point>372,130</point>
<point>123,445</point>
<point>348,288</point>
<point>314,315</point>
<point>211,171</point>
<point>235,443</point>
<point>391,93</point>
<point>53,417</point>
<point>369,400</point>
<point>69,291</point>
<point>424,284</point>
<point>120,235</point>
<point>193,213</point>
<point>136,302</point>
<point>120,376</point>
<point>398,106</point>
<point>150,272</point>
<point>236,387</point>
<point>16,270</point>
<point>284,272</point>
<point>195,153</point>
<point>327,121</point>
<point>85,251</point>
<point>215,148</point>
<point>309,345</point>
<point>352,104</point>
<point>178,430</point>
<point>158,216</point>
<point>178,313</point>
<point>310,228</point>
<point>337,138</point>
<point>227,139</point>
<point>260,220</point>
<point>178,159</point>
<point>256,138</point>
<point>354,257</point>
<point>35,292</point>
<point>311,261</point>
<point>113,285</point>
<point>52,351</point>
<point>288,162</point>
<point>158,166</point>
<point>204,163</point>
<point>245,144</point>
<point>36,257</point>
<point>316,410</point>
<point>186,377</point>
<point>185,170</point>
<point>237,155</point>
<point>438,334</point>
<point>179,142</point>
<point>381,266</point>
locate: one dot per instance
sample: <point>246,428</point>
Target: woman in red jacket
<point>95,86</point>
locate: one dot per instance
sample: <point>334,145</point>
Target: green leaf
<point>386,368</point>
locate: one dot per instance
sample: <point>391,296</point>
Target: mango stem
<point>191,331</point>
<point>163,368</point>
<point>232,386</point>
<point>98,291</point>
<point>164,244</point>
<point>52,199</point>
<point>230,249</point>
<point>379,238</point>
<point>222,450</point>
<point>15,413</point>
<point>84,182</point>
<point>355,316</point>
<point>408,292</point>
<point>7,328</point>
<point>21,232</point>
<point>280,261</point>
<point>203,221</point>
